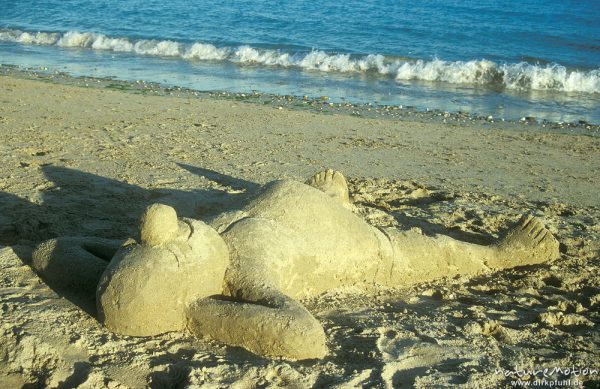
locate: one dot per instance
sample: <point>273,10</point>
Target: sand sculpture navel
<point>239,280</point>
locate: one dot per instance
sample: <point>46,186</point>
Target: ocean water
<point>536,58</point>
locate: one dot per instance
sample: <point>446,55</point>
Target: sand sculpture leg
<point>74,264</point>
<point>417,257</point>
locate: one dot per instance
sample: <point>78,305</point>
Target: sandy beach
<point>83,161</point>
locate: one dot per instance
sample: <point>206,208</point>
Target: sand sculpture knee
<point>291,241</point>
<point>74,264</point>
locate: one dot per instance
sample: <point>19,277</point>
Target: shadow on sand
<point>81,204</point>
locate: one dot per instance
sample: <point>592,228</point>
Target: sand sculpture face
<point>146,287</point>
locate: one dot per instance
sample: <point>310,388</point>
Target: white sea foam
<point>551,77</point>
<point>158,48</point>
<point>102,42</point>
<point>78,39</point>
<point>207,52</point>
<point>471,72</point>
<point>521,76</point>
<point>38,38</point>
<point>247,54</point>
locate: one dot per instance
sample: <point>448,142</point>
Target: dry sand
<point>82,161</point>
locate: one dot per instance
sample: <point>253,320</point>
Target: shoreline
<point>320,104</point>
<point>505,158</point>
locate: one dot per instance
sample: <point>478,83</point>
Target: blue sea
<point>537,58</point>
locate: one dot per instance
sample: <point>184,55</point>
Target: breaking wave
<point>520,76</point>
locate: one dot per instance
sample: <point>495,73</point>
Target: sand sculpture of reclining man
<point>239,279</point>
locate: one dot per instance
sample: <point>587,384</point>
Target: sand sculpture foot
<point>528,242</point>
<point>332,183</point>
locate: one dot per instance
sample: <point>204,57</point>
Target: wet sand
<point>78,160</point>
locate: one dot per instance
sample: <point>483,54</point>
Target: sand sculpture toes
<point>240,285</point>
<point>332,183</point>
<point>527,243</point>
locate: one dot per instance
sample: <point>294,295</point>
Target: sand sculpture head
<point>159,225</point>
<point>146,287</point>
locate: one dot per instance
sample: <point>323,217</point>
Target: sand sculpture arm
<point>262,320</point>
